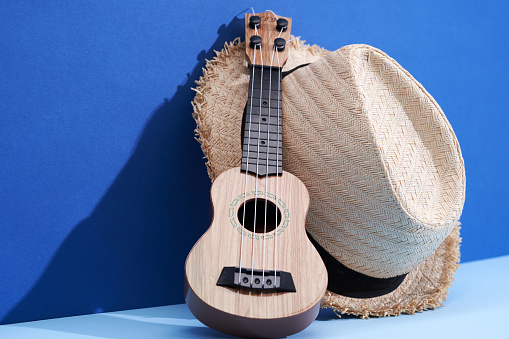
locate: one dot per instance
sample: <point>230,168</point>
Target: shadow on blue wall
<point>130,252</point>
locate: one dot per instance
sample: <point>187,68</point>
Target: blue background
<point>103,189</point>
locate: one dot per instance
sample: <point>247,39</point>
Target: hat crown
<point>379,158</point>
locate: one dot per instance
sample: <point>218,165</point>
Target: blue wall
<point>103,190</point>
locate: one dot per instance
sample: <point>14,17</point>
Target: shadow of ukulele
<point>130,251</point>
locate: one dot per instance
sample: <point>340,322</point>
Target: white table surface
<point>476,308</point>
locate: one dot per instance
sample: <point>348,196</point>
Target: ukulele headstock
<point>264,33</point>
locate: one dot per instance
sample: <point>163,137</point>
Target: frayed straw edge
<point>299,44</point>
<point>429,302</point>
<point>202,133</point>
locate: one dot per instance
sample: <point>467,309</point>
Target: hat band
<point>350,283</point>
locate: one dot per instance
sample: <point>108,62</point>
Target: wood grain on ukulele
<point>254,273</point>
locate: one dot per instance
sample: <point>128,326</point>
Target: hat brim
<point>424,288</point>
<point>218,106</point>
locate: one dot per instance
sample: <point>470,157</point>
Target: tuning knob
<point>282,24</point>
<point>280,43</point>
<point>255,41</point>
<point>254,21</point>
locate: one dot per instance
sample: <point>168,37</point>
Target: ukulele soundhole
<point>261,221</point>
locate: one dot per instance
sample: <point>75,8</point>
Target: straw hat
<point>380,160</point>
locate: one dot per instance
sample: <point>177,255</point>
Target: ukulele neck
<point>262,129</point>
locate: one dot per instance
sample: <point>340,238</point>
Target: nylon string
<point>267,171</point>
<point>277,163</point>
<point>257,162</point>
<point>247,164</point>
<point>267,160</point>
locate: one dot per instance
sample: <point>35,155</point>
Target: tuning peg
<point>280,43</point>
<point>255,41</point>
<point>254,21</point>
<point>282,24</point>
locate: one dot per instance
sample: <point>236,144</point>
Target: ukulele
<point>254,273</point>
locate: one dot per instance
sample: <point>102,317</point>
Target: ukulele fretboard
<point>262,131</point>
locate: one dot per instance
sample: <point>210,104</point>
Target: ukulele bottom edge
<point>248,327</point>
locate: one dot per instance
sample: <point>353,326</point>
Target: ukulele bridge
<point>253,279</point>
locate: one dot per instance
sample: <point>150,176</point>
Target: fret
<point>260,150</point>
<point>256,114</point>
<point>261,162</point>
<point>269,121</point>
<point>274,94</point>
<point>257,84</point>
<point>255,127</point>
<point>254,143</point>
<point>254,135</point>
<point>253,155</point>
<point>264,103</point>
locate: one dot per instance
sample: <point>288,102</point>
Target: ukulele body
<point>249,312</point>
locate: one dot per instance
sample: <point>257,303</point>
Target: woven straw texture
<point>379,158</point>
<point>381,162</point>
<point>220,99</point>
